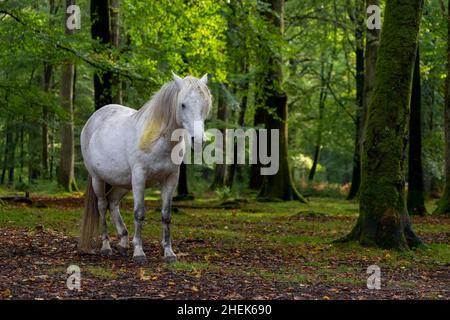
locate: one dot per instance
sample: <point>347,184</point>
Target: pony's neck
<point>157,118</point>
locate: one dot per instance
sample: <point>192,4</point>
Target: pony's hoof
<point>170,259</point>
<point>106,252</point>
<point>140,259</point>
<point>122,251</point>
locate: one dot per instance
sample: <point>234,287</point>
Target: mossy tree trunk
<point>370,60</point>
<point>444,203</point>
<point>416,199</point>
<point>281,184</point>
<point>384,219</point>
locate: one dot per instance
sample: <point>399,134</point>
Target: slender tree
<point>66,175</point>
<point>256,179</point>
<point>370,60</point>
<point>384,219</point>
<point>115,41</point>
<point>358,18</point>
<point>444,203</point>
<point>281,184</point>
<point>415,199</point>
<point>220,169</point>
<point>322,98</point>
<point>182,188</point>
<point>231,172</point>
<point>9,153</point>
<point>326,72</point>
<point>46,87</point>
<point>101,32</point>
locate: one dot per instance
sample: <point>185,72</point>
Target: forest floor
<point>232,250</point>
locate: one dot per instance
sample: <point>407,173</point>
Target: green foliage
<point>223,193</point>
<point>229,40</point>
<point>184,36</point>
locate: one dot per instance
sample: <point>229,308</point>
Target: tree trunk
<point>416,200</point>
<point>232,168</point>
<point>182,188</point>
<point>281,184</point>
<point>256,179</point>
<point>52,148</point>
<point>115,41</point>
<point>22,149</point>
<point>12,155</point>
<point>324,80</point>
<point>46,85</point>
<point>359,52</point>
<point>318,146</point>
<point>5,158</point>
<point>384,219</point>
<point>34,151</point>
<point>370,60</point>
<point>9,154</point>
<point>66,175</point>
<point>101,32</point>
<point>219,171</point>
<point>444,203</point>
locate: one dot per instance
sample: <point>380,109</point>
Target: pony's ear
<point>204,79</point>
<point>178,80</point>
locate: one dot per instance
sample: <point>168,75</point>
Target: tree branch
<point>86,59</point>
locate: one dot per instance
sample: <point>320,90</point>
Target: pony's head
<point>193,105</point>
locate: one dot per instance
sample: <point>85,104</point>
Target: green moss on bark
<point>383,219</point>
<point>444,203</point>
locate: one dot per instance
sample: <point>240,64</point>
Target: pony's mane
<point>158,115</point>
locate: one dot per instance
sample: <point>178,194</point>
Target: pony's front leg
<point>138,185</point>
<point>166,206</point>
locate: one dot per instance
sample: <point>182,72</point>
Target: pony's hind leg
<point>99,189</point>
<point>114,198</point>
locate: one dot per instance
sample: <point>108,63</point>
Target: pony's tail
<point>91,218</point>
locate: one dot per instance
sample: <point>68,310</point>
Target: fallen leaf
<point>194,289</point>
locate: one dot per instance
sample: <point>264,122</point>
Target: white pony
<point>125,150</point>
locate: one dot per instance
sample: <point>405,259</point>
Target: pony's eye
<point>183,106</point>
